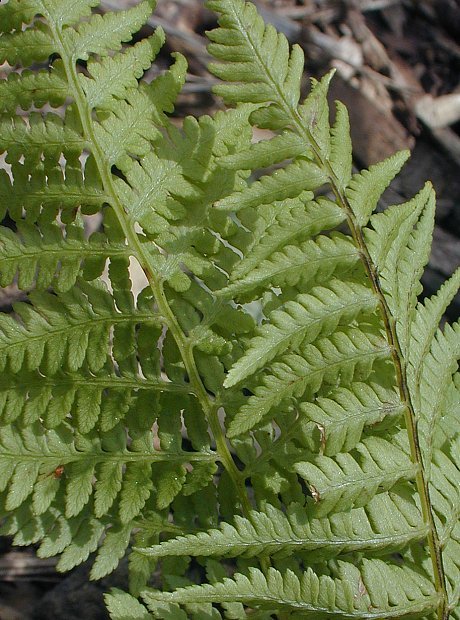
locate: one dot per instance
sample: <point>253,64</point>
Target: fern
<point>275,406</point>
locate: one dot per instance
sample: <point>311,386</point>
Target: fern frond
<point>44,191</point>
<point>275,227</point>
<point>122,605</point>
<point>366,187</point>
<point>117,473</point>
<point>440,363</point>
<point>26,47</point>
<point>264,153</point>
<point>303,264</point>
<point>48,135</point>
<point>354,593</point>
<point>399,244</point>
<point>243,29</point>
<point>255,314</point>
<point>153,178</point>
<point>388,522</point>
<point>105,396</point>
<point>127,132</point>
<point>44,256</point>
<point>309,317</point>
<point>343,415</point>
<point>289,182</point>
<point>353,478</point>
<point>424,327</point>
<point>65,332</point>
<point>102,32</point>
<point>14,14</point>
<point>344,357</point>
<point>445,494</point>
<point>116,75</point>
<point>33,88</point>
<point>111,551</point>
<point>341,148</point>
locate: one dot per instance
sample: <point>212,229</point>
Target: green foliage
<point>270,426</point>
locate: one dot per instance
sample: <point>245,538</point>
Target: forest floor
<point>397,70</point>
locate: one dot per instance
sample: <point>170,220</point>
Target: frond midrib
<point>121,457</point>
<point>105,381</point>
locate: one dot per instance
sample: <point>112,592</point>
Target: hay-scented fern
<point>273,422</point>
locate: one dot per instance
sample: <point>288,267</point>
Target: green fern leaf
<point>58,537</point>
<point>351,595</point>
<point>136,490</point>
<point>345,356</point>
<point>84,541</point>
<point>33,88</point>
<point>15,13</point>
<point>111,551</point>
<point>342,416</point>
<point>400,248</point>
<point>68,330</point>
<point>288,182</point>
<point>153,178</point>
<point>27,47</point>
<point>445,483</point>
<point>45,185</point>
<point>282,225</point>
<point>307,263</point>
<point>284,146</point>
<point>365,188</point>
<point>108,486</point>
<point>353,478</point>
<point>47,136</point>
<point>103,32</point>
<point>165,88</point>
<point>302,321</point>
<point>440,364</point>
<point>79,487</point>
<point>341,148</point>
<point>250,40</point>
<point>274,394</point>
<point>388,521</point>
<point>424,327</point>
<point>122,606</point>
<point>44,256</point>
<point>129,131</point>
<point>116,75</point>
<point>64,13</point>
<point>314,113</point>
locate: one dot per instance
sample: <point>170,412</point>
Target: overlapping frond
<point>307,263</point>
<point>346,356</point>
<point>105,474</point>
<point>387,522</point>
<point>302,321</point>
<point>94,394</point>
<point>41,256</point>
<point>353,478</point>
<point>353,593</point>
<point>276,226</point>
<point>342,416</point>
